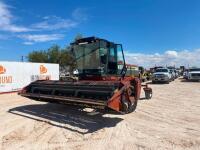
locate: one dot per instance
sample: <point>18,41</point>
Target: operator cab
<point>97,57</point>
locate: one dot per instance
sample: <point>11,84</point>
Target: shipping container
<point>16,75</point>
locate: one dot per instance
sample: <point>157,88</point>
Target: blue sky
<point>151,31</point>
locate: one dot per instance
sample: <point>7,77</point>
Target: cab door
<point>112,59</point>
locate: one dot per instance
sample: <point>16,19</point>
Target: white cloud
<point>54,23</point>
<point>6,18</point>
<point>169,57</point>
<point>41,37</point>
<point>171,54</point>
<point>79,14</point>
<point>28,43</point>
<point>48,22</point>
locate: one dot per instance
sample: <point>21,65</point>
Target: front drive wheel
<point>132,107</point>
<point>128,107</point>
<point>125,106</point>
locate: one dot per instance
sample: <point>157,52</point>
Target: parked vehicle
<point>178,71</point>
<point>173,74</point>
<point>148,75</point>
<point>174,71</point>
<point>162,75</point>
<point>185,74</point>
<point>194,74</point>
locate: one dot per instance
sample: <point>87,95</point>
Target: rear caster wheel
<point>148,94</point>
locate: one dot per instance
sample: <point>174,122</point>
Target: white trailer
<point>16,75</point>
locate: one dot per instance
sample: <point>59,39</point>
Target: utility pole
<point>22,59</point>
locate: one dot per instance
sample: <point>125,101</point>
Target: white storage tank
<point>16,75</point>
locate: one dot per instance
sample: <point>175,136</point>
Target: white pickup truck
<point>162,75</point>
<point>194,74</point>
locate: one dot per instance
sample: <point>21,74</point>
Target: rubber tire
<point>128,108</point>
<point>125,106</point>
<point>132,107</point>
<point>148,95</point>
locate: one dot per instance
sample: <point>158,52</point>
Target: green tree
<point>67,59</point>
<point>38,56</point>
<point>54,55</point>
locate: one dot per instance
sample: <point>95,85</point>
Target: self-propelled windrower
<point>101,84</point>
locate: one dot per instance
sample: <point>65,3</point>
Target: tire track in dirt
<point>25,136</point>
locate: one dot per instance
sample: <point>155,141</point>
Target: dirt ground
<point>170,120</point>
